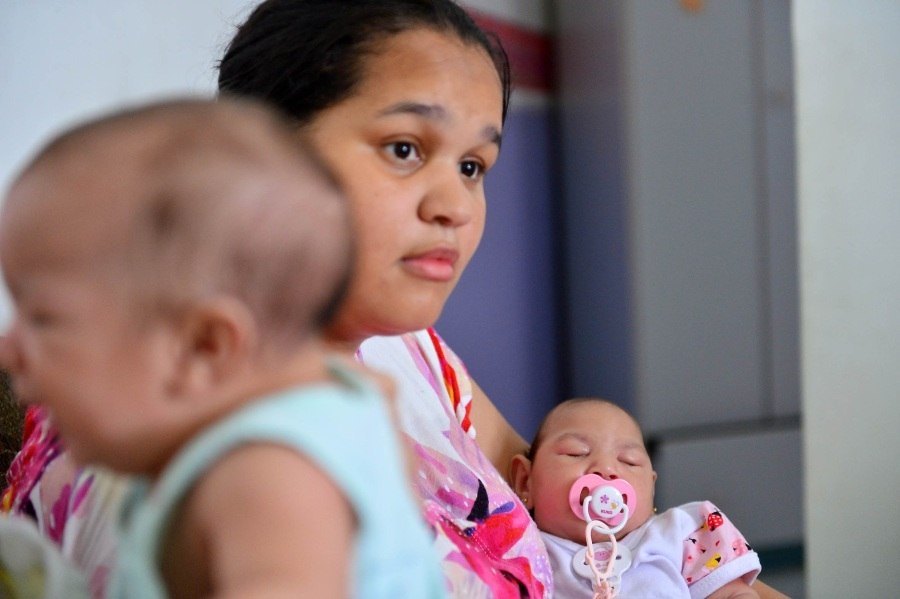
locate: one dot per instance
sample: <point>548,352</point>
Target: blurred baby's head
<point>127,238</point>
<point>191,198</point>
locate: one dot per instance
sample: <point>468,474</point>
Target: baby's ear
<point>217,337</point>
<point>520,475</point>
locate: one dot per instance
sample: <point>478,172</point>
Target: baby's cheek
<point>556,518</point>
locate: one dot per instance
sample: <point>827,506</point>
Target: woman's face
<point>411,149</point>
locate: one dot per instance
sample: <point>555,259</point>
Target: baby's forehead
<point>80,203</point>
<point>122,167</point>
<point>72,194</point>
<point>591,416</point>
<point>588,409</point>
<point>179,174</point>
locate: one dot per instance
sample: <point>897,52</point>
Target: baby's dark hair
<point>304,56</point>
<point>539,435</point>
<point>223,200</point>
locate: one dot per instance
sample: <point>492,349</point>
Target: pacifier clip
<point>605,508</point>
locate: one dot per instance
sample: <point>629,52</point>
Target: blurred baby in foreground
<point>171,267</point>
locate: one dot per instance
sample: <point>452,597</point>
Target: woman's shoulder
<point>422,365</point>
<point>378,346</point>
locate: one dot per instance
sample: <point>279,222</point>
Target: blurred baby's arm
<point>273,525</point>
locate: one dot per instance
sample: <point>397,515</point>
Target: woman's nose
<point>449,203</point>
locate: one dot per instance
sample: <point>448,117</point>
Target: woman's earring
<point>524,498</point>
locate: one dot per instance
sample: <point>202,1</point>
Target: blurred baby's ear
<point>217,337</point>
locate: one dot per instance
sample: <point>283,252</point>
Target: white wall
<point>61,62</point>
<point>848,136</point>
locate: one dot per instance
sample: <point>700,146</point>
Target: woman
<point>405,99</point>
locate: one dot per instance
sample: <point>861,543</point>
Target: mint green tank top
<point>344,427</point>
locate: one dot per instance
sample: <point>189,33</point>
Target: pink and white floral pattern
<point>490,545</point>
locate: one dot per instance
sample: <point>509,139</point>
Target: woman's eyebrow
<point>436,112</point>
<point>432,112</point>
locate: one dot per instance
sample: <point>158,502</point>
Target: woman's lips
<point>435,265</point>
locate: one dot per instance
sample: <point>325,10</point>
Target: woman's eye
<point>471,169</point>
<point>403,151</point>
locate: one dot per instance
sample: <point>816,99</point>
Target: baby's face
<point>583,438</point>
<point>76,344</point>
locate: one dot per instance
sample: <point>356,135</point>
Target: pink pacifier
<point>609,501</point>
<point>605,506</point>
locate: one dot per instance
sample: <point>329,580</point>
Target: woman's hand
<point>766,592</point>
<point>736,589</point>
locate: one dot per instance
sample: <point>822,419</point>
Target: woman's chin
<point>354,326</point>
<point>349,333</point>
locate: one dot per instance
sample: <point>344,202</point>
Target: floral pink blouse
<point>73,507</point>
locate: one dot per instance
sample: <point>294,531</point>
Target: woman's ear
<point>520,474</point>
<point>217,337</point>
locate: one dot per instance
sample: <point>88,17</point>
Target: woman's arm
<point>496,438</point>
<point>766,592</point>
<point>736,589</point>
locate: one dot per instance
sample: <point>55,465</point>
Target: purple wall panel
<point>503,318</point>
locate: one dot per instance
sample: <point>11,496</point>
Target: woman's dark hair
<point>304,56</point>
